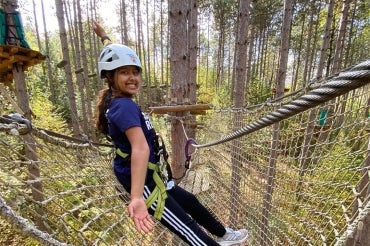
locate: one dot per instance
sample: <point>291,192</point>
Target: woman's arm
<point>139,160</point>
<point>99,30</point>
<point>139,166</point>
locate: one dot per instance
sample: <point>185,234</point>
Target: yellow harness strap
<point>159,193</point>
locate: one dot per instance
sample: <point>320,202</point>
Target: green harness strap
<point>159,193</point>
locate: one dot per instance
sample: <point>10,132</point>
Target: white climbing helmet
<point>117,55</point>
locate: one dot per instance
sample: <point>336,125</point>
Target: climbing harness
<point>162,159</point>
<point>158,194</point>
<point>161,176</point>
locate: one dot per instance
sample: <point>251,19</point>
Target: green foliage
<point>5,105</point>
<point>45,112</point>
<point>206,95</point>
<point>223,11</point>
<point>258,92</point>
<point>266,14</point>
<point>221,99</point>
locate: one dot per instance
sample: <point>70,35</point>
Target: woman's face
<point>127,80</point>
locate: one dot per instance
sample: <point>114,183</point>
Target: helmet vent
<point>114,57</point>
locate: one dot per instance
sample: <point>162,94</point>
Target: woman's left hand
<point>139,213</point>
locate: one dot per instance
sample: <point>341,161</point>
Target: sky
<point>26,11</point>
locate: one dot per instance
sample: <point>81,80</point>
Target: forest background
<point>227,53</point>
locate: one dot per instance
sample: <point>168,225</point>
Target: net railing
<point>309,189</point>
<point>299,180</point>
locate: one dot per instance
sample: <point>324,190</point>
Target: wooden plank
<point>179,108</point>
<point>4,54</point>
<point>11,55</point>
<point>22,58</point>
<point>3,66</point>
<point>14,49</point>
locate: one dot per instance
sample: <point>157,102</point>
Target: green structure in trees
<point>14,49</point>
<point>11,28</point>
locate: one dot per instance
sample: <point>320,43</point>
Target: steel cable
<point>351,79</point>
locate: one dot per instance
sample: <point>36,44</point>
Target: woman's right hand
<point>140,215</point>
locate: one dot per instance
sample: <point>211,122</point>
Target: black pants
<point>183,214</point>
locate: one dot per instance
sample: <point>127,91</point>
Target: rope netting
<point>300,179</point>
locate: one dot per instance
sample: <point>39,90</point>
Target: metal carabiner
<point>187,155</point>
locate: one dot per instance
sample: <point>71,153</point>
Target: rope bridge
<point>294,171</point>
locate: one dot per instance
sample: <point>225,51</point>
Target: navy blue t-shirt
<point>122,114</point>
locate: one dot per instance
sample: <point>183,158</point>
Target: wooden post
<point>23,103</point>
<point>29,143</point>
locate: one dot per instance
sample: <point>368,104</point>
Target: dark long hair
<point>105,97</point>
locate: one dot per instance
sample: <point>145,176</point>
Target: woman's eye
<point>129,72</point>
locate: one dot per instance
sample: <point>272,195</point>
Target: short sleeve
<point>124,113</point>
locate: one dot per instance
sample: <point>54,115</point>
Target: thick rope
<point>346,81</point>
<point>363,212</point>
<point>27,227</point>
<point>108,230</point>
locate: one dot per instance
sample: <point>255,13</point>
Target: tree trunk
<point>304,155</point>
<point>53,96</point>
<point>85,77</point>
<point>340,40</point>
<point>249,62</point>
<point>67,68</point>
<point>163,61</point>
<point>308,45</point>
<point>178,74</point>
<point>76,58</point>
<point>280,86</point>
<point>154,45</point>
<point>297,64</point>
<point>123,21</point>
<point>347,57</point>
<point>239,101</point>
<point>140,53</point>
<point>30,146</point>
<point>192,62</point>
<point>325,40</point>
<point>148,61</point>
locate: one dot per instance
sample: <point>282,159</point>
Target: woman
<point>135,164</point>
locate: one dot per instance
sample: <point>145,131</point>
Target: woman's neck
<point>117,93</point>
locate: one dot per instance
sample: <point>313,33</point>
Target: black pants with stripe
<point>183,214</point>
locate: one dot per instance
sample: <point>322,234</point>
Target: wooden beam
<point>180,108</point>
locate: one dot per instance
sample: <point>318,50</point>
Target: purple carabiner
<point>188,142</point>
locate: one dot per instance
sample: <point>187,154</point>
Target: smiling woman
<point>140,160</point>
